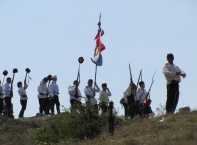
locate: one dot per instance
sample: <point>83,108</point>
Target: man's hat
<point>133,85</point>
<point>170,55</point>
<point>54,77</point>
<point>45,79</point>
<point>104,85</point>
<point>90,80</point>
<point>140,83</point>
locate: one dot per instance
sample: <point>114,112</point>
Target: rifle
<point>150,86</point>
<point>140,75</point>
<point>130,73</point>
<point>15,70</point>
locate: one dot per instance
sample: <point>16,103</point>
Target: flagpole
<point>95,79</point>
<point>99,25</point>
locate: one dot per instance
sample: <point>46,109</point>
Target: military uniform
<point>42,97</point>
<point>54,94</point>
<point>170,72</point>
<point>1,99</point>
<point>89,92</point>
<point>104,98</point>
<point>75,98</point>
<point>23,99</point>
<point>7,98</point>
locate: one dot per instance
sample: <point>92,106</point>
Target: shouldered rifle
<point>140,75</point>
<point>130,73</point>
<point>150,86</point>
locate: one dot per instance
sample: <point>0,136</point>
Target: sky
<point>49,36</point>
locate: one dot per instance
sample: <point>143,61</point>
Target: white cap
<point>54,77</point>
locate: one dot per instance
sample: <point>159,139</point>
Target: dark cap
<point>104,85</point>
<point>141,83</point>
<point>90,80</point>
<point>133,85</point>
<point>75,82</point>
<point>45,79</point>
<point>170,55</point>
<point>19,83</point>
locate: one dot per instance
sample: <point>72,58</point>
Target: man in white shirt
<point>173,75</point>
<point>42,95</point>
<point>104,98</point>
<point>75,96</point>
<point>1,99</point>
<point>129,96</point>
<point>54,92</point>
<point>91,93</point>
<point>142,94</point>
<point>7,97</point>
<point>23,97</point>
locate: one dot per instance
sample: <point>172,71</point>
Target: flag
<point>97,59</point>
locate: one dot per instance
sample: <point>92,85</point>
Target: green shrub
<point>70,126</point>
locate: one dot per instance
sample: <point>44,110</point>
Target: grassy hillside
<point>177,129</point>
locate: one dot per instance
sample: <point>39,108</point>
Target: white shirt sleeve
<point>71,90</point>
<point>51,90</point>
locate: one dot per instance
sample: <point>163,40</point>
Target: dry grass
<point>177,129</point>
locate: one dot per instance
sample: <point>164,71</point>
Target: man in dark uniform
<point>173,75</point>
<point>129,97</point>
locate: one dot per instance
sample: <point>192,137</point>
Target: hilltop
<point>177,129</point>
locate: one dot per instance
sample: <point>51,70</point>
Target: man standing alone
<point>172,74</point>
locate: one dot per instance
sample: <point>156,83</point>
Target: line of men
<point>134,103</point>
<point>90,93</point>
<point>48,96</point>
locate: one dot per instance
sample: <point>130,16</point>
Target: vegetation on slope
<point>87,129</point>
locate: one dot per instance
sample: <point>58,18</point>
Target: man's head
<point>44,80</point>
<point>142,85</point>
<point>104,86</point>
<point>133,86</point>
<point>8,80</point>
<point>90,82</point>
<point>54,78</point>
<point>19,84</point>
<point>76,83</point>
<point>170,58</point>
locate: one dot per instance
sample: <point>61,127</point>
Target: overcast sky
<point>49,36</point>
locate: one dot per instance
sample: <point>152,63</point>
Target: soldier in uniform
<point>90,93</point>
<point>7,97</point>
<point>75,96</point>
<point>54,92</point>
<point>141,96</point>
<point>23,97</point>
<point>104,98</point>
<point>1,99</point>
<point>129,96</point>
<point>42,95</point>
<point>173,75</point>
